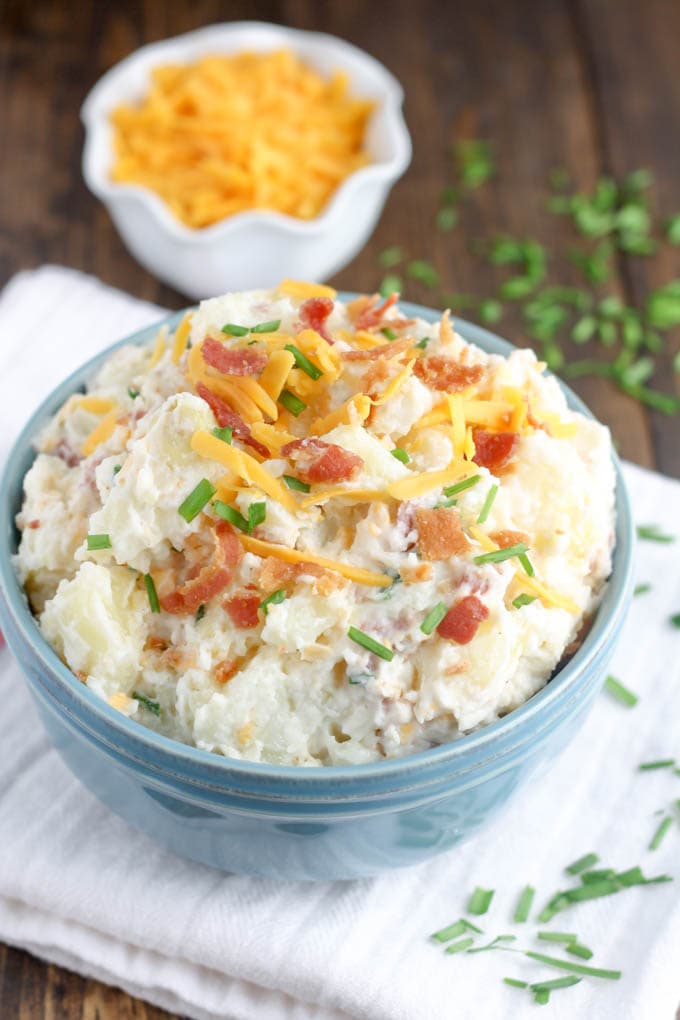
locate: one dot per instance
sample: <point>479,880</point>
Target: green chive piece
<point>642,589</point>
<point>527,565</point>
<point>226,434</point>
<point>480,901</point>
<point>116,468</point>
<point>228,513</point>
<point>434,618</point>
<point>452,931</point>
<point>272,600</point>
<point>524,904</point>
<point>257,513</point>
<point>422,344</point>
<point>542,997</point>
<point>495,943</point>
<point>152,593</point>
<point>232,330</point>
<point>674,620</point>
<point>447,218</point>
<point>200,613</point>
<point>634,876</point>
<point>266,327</point>
<point>499,555</point>
<point>575,968</point>
<point>196,500</point>
<point>400,455</point>
<point>523,600</point>
<point>621,693</point>
<point>515,983</point>
<point>661,763</point>
<point>303,362</point>
<point>390,257</point>
<point>577,949</point>
<point>658,836</point>
<point>488,503</point>
<point>389,333</point>
<point>460,946</point>
<point>582,863</point>
<point>132,393</point>
<point>370,644</point>
<point>467,483</point>
<point>292,403</point>
<point>597,875</point>
<point>653,533</point>
<point>549,986</point>
<point>152,706</point>
<point>557,936</point>
<point>390,284</point>
<point>296,484</point>
<point>424,272</point>
<point>98,542</point>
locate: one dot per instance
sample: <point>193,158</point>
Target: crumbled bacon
<point>313,314</point>
<point>446,374</point>
<point>34,523</point>
<point>506,538</point>
<point>388,350</point>
<point>66,453</point>
<point>276,574</point>
<point>440,534</point>
<point>372,314</point>
<point>230,360</point>
<point>494,449</point>
<point>225,670</point>
<point>242,609</point>
<point>462,620</point>
<point>226,417</point>
<point>211,578</point>
<point>317,461</point>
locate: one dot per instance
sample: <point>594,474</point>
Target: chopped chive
<point>400,455</point>
<point>467,483</point>
<point>488,503</point>
<point>152,593</point>
<point>480,901</point>
<point>370,643</point>
<point>434,618</point>
<point>621,693</point>
<point>424,272</point>
<point>296,484</point>
<point>634,876</point>
<point>523,600</point>
<point>557,936</point>
<point>390,284</point>
<point>549,986</point>
<point>152,706</point>
<point>266,327</point>
<point>357,679</point>
<point>499,555</point>
<point>272,600</point>
<point>292,403</point>
<point>515,982</point>
<point>233,330</point>
<point>524,904</point>
<point>542,997</point>
<point>674,620</point>
<point>582,863</point>
<point>661,763</point>
<point>390,257</point>
<point>257,512</point>
<point>228,513</point>
<point>116,468</point>
<point>577,949</point>
<point>132,393</point>
<point>303,362</point>
<point>460,946</point>
<point>495,943</point>
<point>642,589</point>
<point>447,218</point>
<point>200,613</point>
<point>658,836</point>
<point>389,333</point>
<point>653,533</point>
<point>196,500</point>
<point>422,344</point>
<point>575,968</point>
<point>452,931</point>
<point>226,434</point>
<point>597,874</point>
<point>98,542</point>
<point>526,564</point>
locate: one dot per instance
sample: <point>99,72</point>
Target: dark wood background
<point>590,85</point>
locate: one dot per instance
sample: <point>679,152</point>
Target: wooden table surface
<point>589,85</point>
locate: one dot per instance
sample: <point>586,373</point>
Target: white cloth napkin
<point>82,889</point>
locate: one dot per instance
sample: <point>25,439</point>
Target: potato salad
<point>308,532</point>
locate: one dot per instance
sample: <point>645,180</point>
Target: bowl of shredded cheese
<point>238,154</point>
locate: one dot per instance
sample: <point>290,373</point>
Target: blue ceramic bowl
<point>285,821</point>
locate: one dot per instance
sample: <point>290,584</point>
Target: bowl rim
<point>94,116</point>
<point>14,605</point>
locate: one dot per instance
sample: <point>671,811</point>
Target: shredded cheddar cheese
<point>303,290</point>
<point>418,484</point>
<point>356,409</point>
<point>395,384</point>
<point>159,348</point>
<point>243,465</point>
<point>181,338</point>
<point>97,405</point>
<point>100,433</point>
<point>357,574</point>
<point>275,374</point>
<point>341,492</point>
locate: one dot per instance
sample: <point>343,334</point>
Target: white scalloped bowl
<point>254,248</point>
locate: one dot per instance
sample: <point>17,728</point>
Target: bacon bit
<point>317,461</point>
<point>156,643</point>
<point>504,539</point>
<point>81,676</point>
<point>462,620</point>
<point>242,609</point>
<point>230,360</point>
<point>212,578</point>
<point>276,573</point>
<point>440,534</point>
<point>225,670</point>
<point>494,449</point>
<point>34,524</point>
<point>313,314</point>
<point>415,575</point>
<point>372,314</point>
<point>446,374</point>
<point>66,453</point>
<point>446,333</point>
<point>226,417</point>
<point>387,350</point>
<point>177,659</point>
